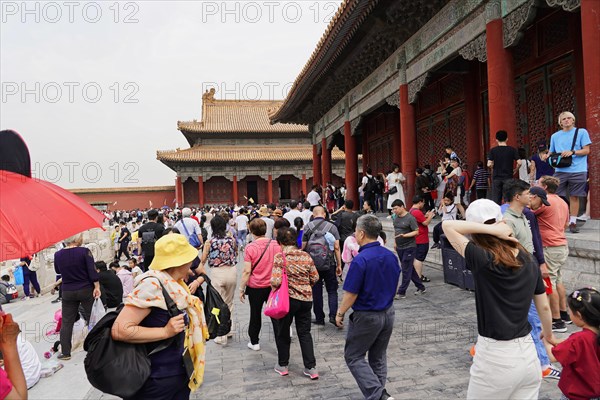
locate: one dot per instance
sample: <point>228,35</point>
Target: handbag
<point>18,274</point>
<point>557,161</point>
<point>192,239</point>
<point>216,311</point>
<point>116,367</point>
<point>393,190</point>
<point>278,303</point>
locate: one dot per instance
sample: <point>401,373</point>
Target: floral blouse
<point>301,273</point>
<point>223,252</point>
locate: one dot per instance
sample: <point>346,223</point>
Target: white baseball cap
<point>483,210</point>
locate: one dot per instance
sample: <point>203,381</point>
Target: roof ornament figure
<point>209,95</point>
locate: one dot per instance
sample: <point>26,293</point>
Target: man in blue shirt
<point>369,289</point>
<point>573,178</point>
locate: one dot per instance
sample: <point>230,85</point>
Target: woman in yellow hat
<point>145,319</point>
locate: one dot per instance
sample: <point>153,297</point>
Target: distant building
<point>130,198</point>
<point>236,154</point>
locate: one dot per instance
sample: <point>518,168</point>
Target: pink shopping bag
<point>278,303</point>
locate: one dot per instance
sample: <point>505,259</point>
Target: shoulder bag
<point>107,359</point>
<point>557,161</point>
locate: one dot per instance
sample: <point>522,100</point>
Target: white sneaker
<point>221,340</point>
<point>255,347</point>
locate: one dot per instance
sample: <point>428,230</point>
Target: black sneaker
<point>436,246</point>
<point>58,300</point>
<point>565,317</point>
<point>385,396</point>
<point>425,279</point>
<point>314,321</point>
<point>558,326</point>
<point>64,357</point>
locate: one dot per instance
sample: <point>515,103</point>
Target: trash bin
<point>453,264</point>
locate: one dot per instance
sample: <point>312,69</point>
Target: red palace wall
<point>131,200</point>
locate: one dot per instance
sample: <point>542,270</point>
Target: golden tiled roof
<point>238,116</point>
<point>243,154</point>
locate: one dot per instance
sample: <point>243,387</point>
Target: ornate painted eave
<point>338,34</point>
<point>378,29</point>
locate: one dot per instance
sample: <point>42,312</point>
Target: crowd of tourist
<point>513,243</point>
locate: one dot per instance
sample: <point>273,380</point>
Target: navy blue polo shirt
<point>373,275</point>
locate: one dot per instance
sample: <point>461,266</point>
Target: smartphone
<point>186,318</point>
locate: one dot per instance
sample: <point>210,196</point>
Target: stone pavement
<point>427,357</point>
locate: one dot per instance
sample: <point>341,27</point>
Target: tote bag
<point>278,303</point>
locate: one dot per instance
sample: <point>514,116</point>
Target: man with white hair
<point>188,226</point>
<point>575,143</point>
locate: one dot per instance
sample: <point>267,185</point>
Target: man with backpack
<point>433,181</point>
<point>369,187</point>
<point>322,241</point>
<point>148,234</point>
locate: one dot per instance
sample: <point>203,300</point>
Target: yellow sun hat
<point>171,251</point>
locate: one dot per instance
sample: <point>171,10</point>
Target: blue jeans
<point>241,237</point>
<point>536,328</point>
<point>407,258</point>
<point>331,284</point>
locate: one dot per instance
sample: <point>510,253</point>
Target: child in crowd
<point>447,210</point>
<point>133,267</point>
<point>579,354</point>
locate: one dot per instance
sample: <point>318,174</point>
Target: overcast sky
<point>95,88</point>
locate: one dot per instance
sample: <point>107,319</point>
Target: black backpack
<point>116,367</point>
<point>371,185</point>
<point>433,179</point>
<point>148,238</point>
<point>218,315</point>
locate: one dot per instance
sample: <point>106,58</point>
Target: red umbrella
<point>35,214</point>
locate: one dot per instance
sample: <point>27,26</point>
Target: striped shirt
<point>481,177</point>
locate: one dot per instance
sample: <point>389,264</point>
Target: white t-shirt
<point>30,362</point>
<point>306,214</point>
<point>242,222</point>
<point>313,198</point>
<point>292,215</point>
<point>524,170</point>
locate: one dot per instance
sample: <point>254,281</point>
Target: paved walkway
<point>427,357</point>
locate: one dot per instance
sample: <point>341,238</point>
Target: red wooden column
<point>351,165</point>
<point>326,163</point>
<point>201,190</point>
<point>235,189</point>
<point>408,143</point>
<point>178,191</point>
<point>365,153</point>
<point>590,37</point>
<point>304,188</point>
<point>270,189</point>
<point>396,147</point>
<point>316,166</point>
<point>472,124</point>
<point>501,83</point>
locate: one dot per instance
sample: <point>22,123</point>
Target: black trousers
<point>123,250</point>
<point>481,193</point>
<point>497,189</point>
<point>429,203</point>
<point>257,297</point>
<point>300,311</point>
<point>167,388</point>
<point>71,300</point>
